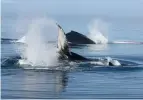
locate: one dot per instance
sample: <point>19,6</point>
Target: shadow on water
<point>30,84</point>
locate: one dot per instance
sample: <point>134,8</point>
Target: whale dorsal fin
<point>63,46</point>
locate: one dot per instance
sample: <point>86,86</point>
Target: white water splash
<point>98,32</point>
<point>21,40</point>
<point>37,51</point>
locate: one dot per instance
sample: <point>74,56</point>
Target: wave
<point>7,40</point>
<point>13,63</point>
<point>21,40</point>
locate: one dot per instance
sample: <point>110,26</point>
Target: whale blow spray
<point>98,31</point>
<point>37,51</point>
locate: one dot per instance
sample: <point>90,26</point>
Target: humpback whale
<point>63,47</point>
<point>77,38</point>
<point>65,53</point>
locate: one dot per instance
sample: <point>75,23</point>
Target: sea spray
<point>98,31</point>
<point>37,51</point>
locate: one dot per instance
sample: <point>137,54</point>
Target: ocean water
<point>77,80</point>
<point>82,80</point>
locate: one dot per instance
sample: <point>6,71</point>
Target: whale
<point>66,54</point>
<point>75,37</point>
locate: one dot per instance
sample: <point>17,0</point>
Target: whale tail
<point>63,47</point>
